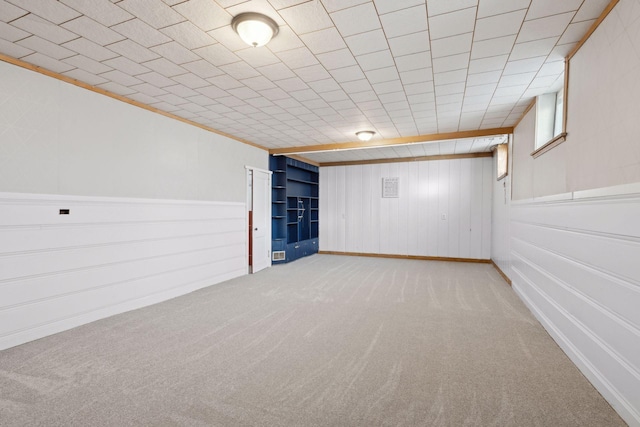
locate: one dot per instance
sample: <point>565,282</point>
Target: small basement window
<point>502,152</point>
<point>550,118</point>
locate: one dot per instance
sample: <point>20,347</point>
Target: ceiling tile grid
<point>398,67</point>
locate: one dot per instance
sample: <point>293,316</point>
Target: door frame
<point>250,170</point>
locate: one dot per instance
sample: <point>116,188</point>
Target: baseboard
<point>415,257</point>
<point>504,276</point>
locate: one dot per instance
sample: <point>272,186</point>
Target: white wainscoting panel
<point>575,261</point>
<point>444,209</point>
<point>109,255</point>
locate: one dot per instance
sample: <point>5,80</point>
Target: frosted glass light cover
<point>254,29</point>
<point>365,135</point>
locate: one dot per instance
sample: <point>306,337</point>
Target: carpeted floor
<point>326,340</point>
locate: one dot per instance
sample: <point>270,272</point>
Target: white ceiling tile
<point>543,8</point>
<point>523,65</point>
<point>451,63</point>
<point>307,17</point>
<point>418,88</point>
<point>413,62</point>
<point>257,57</point>
<point>356,20</point>
<point>285,40</point>
<point>575,32</point>
<point>149,90</point>
<point>373,61</point>
<point>324,40</point>
<point>411,43</point>
<point>212,92</point>
<point>103,12</point>
<point>590,9</point>
<point>417,76</point>
<point>225,82</point>
<point>42,28</point>
<point>9,12</point>
<point>85,77</point>
<point>487,64</point>
<point>121,78</point>
<point>544,27</point>
<point>192,37</point>
<point>456,76</point>
<point>484,78</point>
<point>485,89</point>
<point>551,68</point>
<point>11,33</point>
<point>191,81</point>
<point>126,65</point>
<point>312,73</point>
<point>243,93</point>
<point>294,83</point>
<point>153,12</point>
<point>202,68</point>
<point>297,58</point>
<point>451,45</point>
<point>405,21</point>
<point>451,24</point>
<point>326,85</point>
<point>141,33</point>
<point>450,89</point>
<point>278,4</point>
<point>364,96</point>
<point>336,95</point>
<point>421,98</point>
<point>217,54</point>
<point>337,59</point>
<point>165,67</point>
<point>388,87</point>
<point>364,43</point>
<point>276,71</point>
<point>533,49</point>
<point>510,91</point>
<point>493,47</point>
<point>497,7</point>
<point>516,79</point>
<point>225,35</point>
<point>499,25</point>
<point>52,10</point>
<point>131,50</point>
<point>156,79</point>
<point>205,14</point>
<point>47,62</point>
<point>175,52</point>
<point>239,70</point>
<point>347,74</point>
<point>561,51</point>
<point>45,47</point>
<point>90,29</point>
<point>382,75</point>
<point>258,83</point>
<point>87,64</point>
<point>393,97</point>
<point>334,5</point>
<point>438,7</point>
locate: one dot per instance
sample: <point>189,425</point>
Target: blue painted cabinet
<point>294,209</point>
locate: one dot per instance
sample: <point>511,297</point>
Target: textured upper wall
<point>57,138</point>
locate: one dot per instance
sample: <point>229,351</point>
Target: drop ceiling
<point>399,67</point>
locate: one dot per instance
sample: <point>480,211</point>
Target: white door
<point>261,232</point>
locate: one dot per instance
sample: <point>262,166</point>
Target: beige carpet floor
<point>324,341</point>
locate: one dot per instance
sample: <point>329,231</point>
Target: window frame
<point>562,136</point>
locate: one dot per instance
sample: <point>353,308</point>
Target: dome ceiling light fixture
<point>365,135</point>
<point>254,29</point>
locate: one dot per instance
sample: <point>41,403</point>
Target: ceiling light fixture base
<point>365,135</point>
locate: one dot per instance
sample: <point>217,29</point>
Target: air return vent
<point>278,256</point>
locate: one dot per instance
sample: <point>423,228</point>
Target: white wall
<point>57,138</point>
<point>355,218</point>
<point>174,219</point>
<point>570,238</point>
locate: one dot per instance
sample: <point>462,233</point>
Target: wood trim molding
<point>533,104</point>
<point>61,77</point>
<point>593,27</point>
<point>415,257</point>
<point>504,276</point>
<point>409,159</point>
<point>304,159</point>
<point>392,141</point>
<point>549,145</point>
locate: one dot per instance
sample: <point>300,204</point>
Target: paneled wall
<point>569,239</point>
<point>107,256</point>
<point>443,209</point>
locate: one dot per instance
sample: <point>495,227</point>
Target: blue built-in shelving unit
<point>294,209</point>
